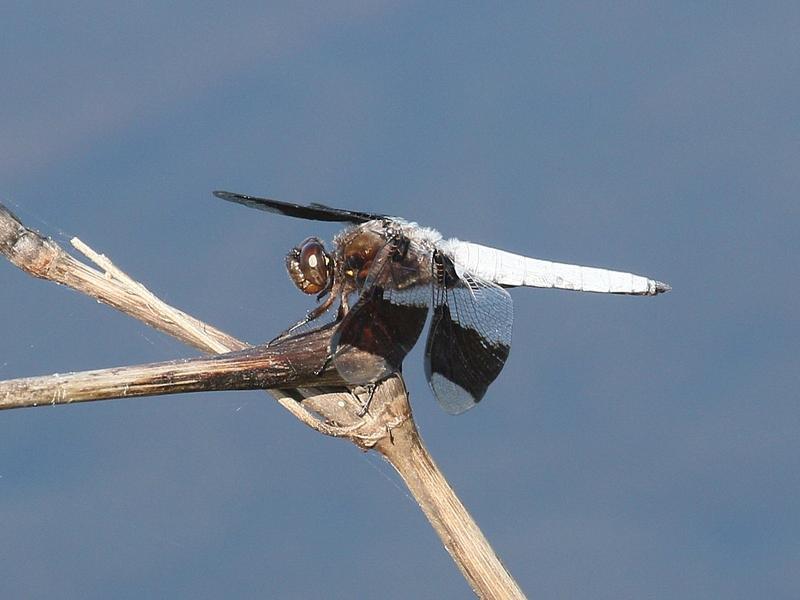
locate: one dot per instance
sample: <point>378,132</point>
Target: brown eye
<point>309,266</point>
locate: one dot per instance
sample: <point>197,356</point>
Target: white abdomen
<point>505,268</point>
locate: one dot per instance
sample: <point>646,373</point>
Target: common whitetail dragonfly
<point>395,270</point>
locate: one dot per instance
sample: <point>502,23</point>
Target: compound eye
<point>310,266</point>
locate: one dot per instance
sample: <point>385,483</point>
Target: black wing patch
<point>469,339</point>
<point>314,212</point>
<point>379,331</point>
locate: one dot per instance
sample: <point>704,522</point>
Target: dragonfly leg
<point>371,391</point>
<point>313,314</point>
<point>324,365</point>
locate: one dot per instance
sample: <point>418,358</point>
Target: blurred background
<point>632,447</point>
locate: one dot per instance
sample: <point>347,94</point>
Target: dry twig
<point>290,368</point>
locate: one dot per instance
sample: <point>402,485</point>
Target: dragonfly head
<point>310,266</point>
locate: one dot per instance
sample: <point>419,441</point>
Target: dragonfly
<point>388,273</point>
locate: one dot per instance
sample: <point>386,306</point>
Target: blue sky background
<point>632,447</point>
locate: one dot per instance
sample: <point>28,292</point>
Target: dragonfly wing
<point>469,339</point>
<point>314,212</point>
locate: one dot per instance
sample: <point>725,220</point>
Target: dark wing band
<point>314,212</point>
<point>469,338</point>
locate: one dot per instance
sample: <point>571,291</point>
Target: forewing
<point>380,330</point>
<point>314,212</point>
<point>469,339</point>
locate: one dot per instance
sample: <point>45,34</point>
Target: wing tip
<point>223,195</point>
<point>453,398</point>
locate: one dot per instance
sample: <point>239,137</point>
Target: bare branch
<point>43,258</point>
<point>459,533</point>
<point>293,362</point>
<point>388,427</point>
